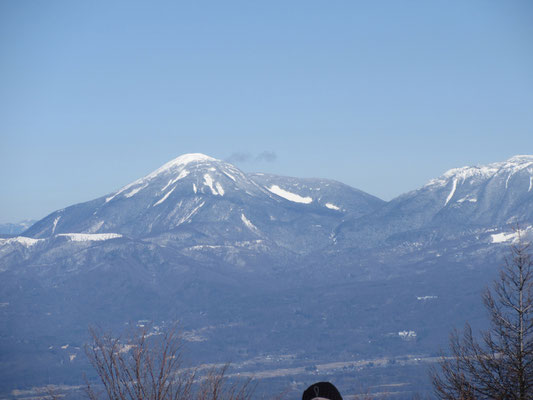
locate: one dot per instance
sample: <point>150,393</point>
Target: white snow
<point>452,192</point>
<point>230,176</point>
<point>25,241</point>
<point>507,168</point>
<point>332,206</point>
<point>503,237</point>
<point>467,198</point>
<point>194,188</point>
<point>530,183</point>
<point>407,335</point>
<point>72,357</point>
<point>423,298</point>
<point>177,163</point>
<point>108,199</point>
<point>90,237</point>
<point>164,197</point>
<point>189,215</point>
<point>135,191</point>
<point>182,160</point>
<point>208,181</point>
<point>204,246</point>
<point>220,189</point>
<point>289,195</point>
<point>248,223</point>
<point>56,220</point>
<point>182,175</point>
<point>519,159</point>
<point>65,347</point>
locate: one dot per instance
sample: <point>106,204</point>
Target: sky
<point>380,95</point>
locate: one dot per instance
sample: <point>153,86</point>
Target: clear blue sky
<point>381,95</point>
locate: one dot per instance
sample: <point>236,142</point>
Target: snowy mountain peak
<point>181,162</point>
<point>486,193</point>
<point>185,159</point>
<point>521,159</point>
<point>176,166</point>
<point>482,172</point>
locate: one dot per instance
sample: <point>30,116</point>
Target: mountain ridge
<point>264,263</point>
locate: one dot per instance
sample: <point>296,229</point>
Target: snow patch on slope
<point>505,237</point>
<point>332,206</point>
<point>55,224</point>
<point>108,199</point>
<point>182,175</point>
<point>90,237</point>
<point>218,190</point>
<point>296,198</point>
<point>452,192</point>
<point>467,198</point>
<point>23,240</point>
<point>135,191</point>
<point>424,298</point>
<point>507,181</point>
<point>407,335</point>
<point>248,223</point>
<point>230,176</point>
<point>164,197</point>
<point>188,216</point>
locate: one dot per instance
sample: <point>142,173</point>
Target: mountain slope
<point>320,193</point>
<point>197,200</point>
<point>254,265</point>
<point>487,196</point>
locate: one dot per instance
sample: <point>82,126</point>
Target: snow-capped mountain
<point>198,200</point>
<point>490,196</point>
<point>163,200</point>
<point>498,193</point>
<point>256,264</point>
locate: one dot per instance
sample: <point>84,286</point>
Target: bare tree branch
<point>144,366</point>
<point>501,365</point>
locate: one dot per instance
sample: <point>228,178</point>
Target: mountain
<point>493,196</point>
<point>259,267</point>
<point>197,200</point>
<point>15,228</point>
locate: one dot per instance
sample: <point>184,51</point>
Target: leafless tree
<point>214,387</point>
<point>145,366</point>
<point>500,364</point>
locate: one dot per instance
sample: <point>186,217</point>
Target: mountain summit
<point>204,200</point>
<point>477,197</point>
